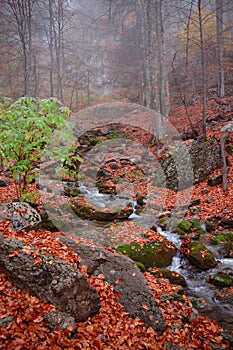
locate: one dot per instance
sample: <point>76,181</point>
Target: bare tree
<point>21,14</point>
<point>203,67</point>
<point>219,29</point>
<point>156,95</point>
<point>55,34</point>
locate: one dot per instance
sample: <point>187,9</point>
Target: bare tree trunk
<point>36,80</point>
<point>59,49</point>
<point>25,68</point>
<point>30,55</point>
<point>224,173</point>
<point>51,45</point>
<point>219,27</point>
<point>22,13</point>
<point>163,93</point>
<point>155,85</point>
<point>203,67</point>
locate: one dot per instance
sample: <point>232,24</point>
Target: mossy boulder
<point>183,227</point>
<point>47,223</point>
<point>172,276</point>
<point>85,210</point>
<point>221,279</point>
<point>226,240</point>
<point>152,254</point>
<point>196,224</point>
<point>221,238</point>
<point>200,256</point>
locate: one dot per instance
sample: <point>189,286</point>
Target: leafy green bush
<point>26,127</point>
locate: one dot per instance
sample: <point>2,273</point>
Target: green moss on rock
<point>183,227</point>
<point>196,224</point>
<point>141,266</point>
<point>200,256</point>
<point>154,254</point>
<point>221,279</point>
<point>221,238</point>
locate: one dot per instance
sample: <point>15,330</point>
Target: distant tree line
<point>148,51</point>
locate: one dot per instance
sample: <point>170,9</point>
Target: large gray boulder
<point>121,272</point>
<point>51,279</point>
<point>204,156</point>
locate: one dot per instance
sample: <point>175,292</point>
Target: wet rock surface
<point>91,212</point>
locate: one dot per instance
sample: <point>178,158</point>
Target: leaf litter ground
<point>112,328</point>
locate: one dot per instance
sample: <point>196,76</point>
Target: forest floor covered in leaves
<point>112,327</point>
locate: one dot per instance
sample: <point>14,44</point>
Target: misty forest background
<point>152,52</point>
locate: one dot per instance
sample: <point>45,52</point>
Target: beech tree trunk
<point>51,46</point>
<point>203,67</point>
<point>155,85</point>
<point>224,173</point>
<point>219,27</point>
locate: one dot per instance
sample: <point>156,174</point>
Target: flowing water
<point>197,286</point>
<point>205,294</point>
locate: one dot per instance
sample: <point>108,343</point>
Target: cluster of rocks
<point>56,282</point>
<point>50,281</point>
<point>61,284</point>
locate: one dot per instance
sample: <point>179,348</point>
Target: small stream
<point>197,286</point>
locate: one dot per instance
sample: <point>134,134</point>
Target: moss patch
<point>221,279</point>
<point>200,256</point>
<point>183,227</point>
<point>196,224</point>
<point>221,238</point>
<point>156,254</point>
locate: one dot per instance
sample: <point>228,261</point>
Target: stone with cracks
<point>53,280</point>
<point>205,157</point>
<point>61,320</point>
<point>4,182</point>
<point>21,215</point>
<point>125,276</point>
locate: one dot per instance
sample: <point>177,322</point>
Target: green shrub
<point>26,127</point>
